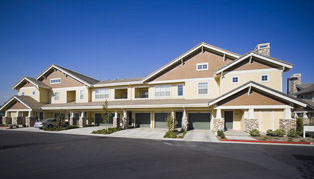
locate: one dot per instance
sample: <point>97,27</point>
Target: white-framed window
<point>22,93</point>
<point>201,66</point>
<point>56,96</point>
<point>203,88</point>
<point>264,77</point>
<point>180,89</point>
<point>81,94</point>
<point>235,79</point>
<point>162,90</point>
<point>102,93</point>
<point>55,80</point>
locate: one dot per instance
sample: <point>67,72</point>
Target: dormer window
<point>55,80</point>
<point>201,66</point>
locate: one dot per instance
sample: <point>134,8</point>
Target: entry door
<point>228,119</point>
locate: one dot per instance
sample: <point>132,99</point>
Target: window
<point>56,96</point>
<point>201,66</point>
<point>162,90</point>
<point>264,78</point>
<point>180,90</point>
<point>34,92</point>
<point>22,93</point>
<point>102,93</point>
<point>55,80</point>
<point>203,88</point>
<point>235,79</point>
<point>81,94</point>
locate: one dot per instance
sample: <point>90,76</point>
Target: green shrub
<point>183,134</point>
<point>280,132</point>
<point>106,131</point>
<point>270,132</point>
<point>24,125</point>
<point>300,125</point>
<point>254,133</point>
<point>171,134</point>
<point>292,133</point>
<point>11,126</point>
<point>221,134</point>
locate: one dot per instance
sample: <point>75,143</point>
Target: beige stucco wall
<point>28,91</point>
<point>63,94</point>
<point>44,95</point>
<point>268,118</point>
<point>275,79</point>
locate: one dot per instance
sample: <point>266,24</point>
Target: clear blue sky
<point>125,39</point>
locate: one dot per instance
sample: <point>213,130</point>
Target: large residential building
<point>207,87</point>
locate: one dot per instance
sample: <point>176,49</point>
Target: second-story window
<point>102,93</point>
<point>56,96</point>
<point>201,66</point>
<point>34,92</point>
<point>180,90</point>
<point>264,78</point>
<point>22,93</point>
<point>203,88</point>
<point>235,79</point>
<point>162,90</point>
<point>81,94</point>
<point>55,80</point>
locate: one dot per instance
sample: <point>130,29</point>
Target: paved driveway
<point>238,135</point>
<point>200,136</point>
<point>140,133</point>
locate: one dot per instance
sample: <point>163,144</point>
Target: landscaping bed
<point>60,128</point>
<point>106,131</point>
<point>175,134</point>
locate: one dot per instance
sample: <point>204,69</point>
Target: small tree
<point>171,122</point>
<point>59,120</point>
<point>106,113</point>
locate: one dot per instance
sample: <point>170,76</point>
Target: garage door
<point>142,119</point>
<point>100,121</point>
<point>199,120</point>
<point>161,120</point>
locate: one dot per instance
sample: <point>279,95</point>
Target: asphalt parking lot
<point>43,155</point>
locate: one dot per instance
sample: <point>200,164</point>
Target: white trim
<point>257,56</point>
<point>118,84</point>
<point>179,80</point>
<point>55,79</point>
<point>261,88</point>
<point>53,66</point>
<point>70,88</point>
<point>262,78</point>
<point>251,71</point>
<point>254,107</point>
<point>186,54</point>
<point>206,63</point>
<point>18,110</point>
<point>238,79</point>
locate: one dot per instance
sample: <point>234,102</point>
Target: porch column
<point>124,120</point>
<point>218,122</point>
<point>28,119</point>
<point>4,119</point>
<point>218,113</point>
<point>173,117</point>
<point>82,120</point>
<point>71,118</point>
<point>185,122</point>
<point>251,113</point>
<point>14,119</point>
<point>288,113</point>
<point>115,119</point>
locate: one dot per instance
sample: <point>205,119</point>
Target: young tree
<point>106,113</point>
<point>171,122</point>
<point>59,120</point>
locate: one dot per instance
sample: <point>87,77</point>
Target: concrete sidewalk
<point>238,135</point>
<point>200,136</point>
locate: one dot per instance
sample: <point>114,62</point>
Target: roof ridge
<point>71,71</point>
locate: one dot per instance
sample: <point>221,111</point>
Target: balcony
<point>141,93</point>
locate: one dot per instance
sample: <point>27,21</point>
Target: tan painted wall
<point>28,91</point>
<point>254,98</point>
<point>44,95</point>
<point>28,84</point>
<point>63,94</point>
<point>237,119</point>
<point>268,118</point>
<point>255,64</point>
<point>275,80</point>
<point>66,81</point>
<point>18,105</point>
<point>188,70</point>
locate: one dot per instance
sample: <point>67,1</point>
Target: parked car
<point>49,123</point>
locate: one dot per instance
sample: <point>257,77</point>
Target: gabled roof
<point>28,101</point>
<point>80,77</point>
<point>33,81</point>
<point>308,89</point>
<point>272,60</point>
<point>304,85</point>
<point>260,87</point>
<point>197,47</point>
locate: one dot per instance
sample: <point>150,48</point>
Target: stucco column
<point>185,122</point>
<point>124,120</point>
<point>218,122</point>
<point>71,118</point>
<point>218,114</point>
<point>251,113</point>
<point>288,113</point>
<point>28,119</point>
<point>82,120</point>
<point>173,117</point>
<point>115,119</point>
<point>4,119</point>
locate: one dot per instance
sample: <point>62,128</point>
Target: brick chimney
<point>294,80</point>
<point>263,49</point>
